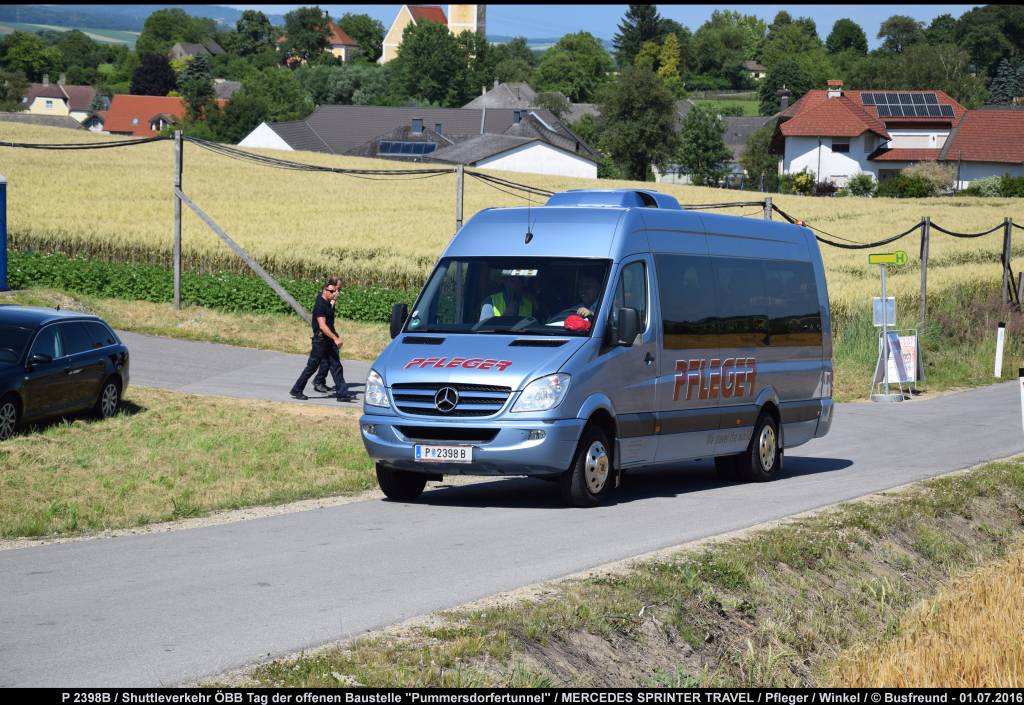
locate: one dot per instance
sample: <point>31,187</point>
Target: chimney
<point>60,81</point>
<point>495,83</point>
<point>783,94</point>
<point>483,90</point>
<point>835,88</point>
<point>46,79</point>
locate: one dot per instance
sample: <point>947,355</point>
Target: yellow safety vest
<point>498,303</point>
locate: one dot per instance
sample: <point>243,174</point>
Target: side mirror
<point>37,359</point>
<point>629,326</point>
<point>399,312</point>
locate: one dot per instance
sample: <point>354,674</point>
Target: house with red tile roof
<point>460,18</point>
<point>142,115</point>
<point>339,43</point>
<point>836,134</point>
<point>59,99</point>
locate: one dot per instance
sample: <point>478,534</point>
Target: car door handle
<point>648,358</point>
<point>74,372</point>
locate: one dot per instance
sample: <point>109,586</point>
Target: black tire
<point>109,399</point>
<point>592,473</point>
<point>762,460</point>
<point>400,485</point>
<point>728,466</point>
<point>10,417</point>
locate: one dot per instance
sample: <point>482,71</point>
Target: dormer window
<point>417,124</point>
<point>49,105</point>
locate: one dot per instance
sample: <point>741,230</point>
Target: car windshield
<point>524,295</point>
<point>13,341</point>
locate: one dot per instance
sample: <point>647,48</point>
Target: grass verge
<point>266,331</point>
<point>772,609</point>
<point>168,456</point>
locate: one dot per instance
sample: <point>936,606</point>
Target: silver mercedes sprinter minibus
<point>606,330</point>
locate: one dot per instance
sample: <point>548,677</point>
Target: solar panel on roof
<point>930,99</point>
<point>905,98</point>
<point>867,98</point>
<point>918,98</point>
<point>933,111</point>
<point>897,110</point>
<point>947,110</point>
<point>883,111</point>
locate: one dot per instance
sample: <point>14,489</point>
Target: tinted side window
<point>99,335</point>
<point>631,292</point>
<point>742,302</point>
<point>48,342</point>
<point>795,315</point>
<point>77,338</point>
<point>687,297</point>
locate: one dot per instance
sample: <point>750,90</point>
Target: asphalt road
<point>170,608</point>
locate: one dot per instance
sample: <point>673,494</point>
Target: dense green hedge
<point>230,292</point>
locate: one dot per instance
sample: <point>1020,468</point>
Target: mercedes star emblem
<point>446,399</point>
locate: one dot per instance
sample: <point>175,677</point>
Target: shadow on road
<point>670,481</point>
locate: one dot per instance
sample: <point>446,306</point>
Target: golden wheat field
<point>117,203</point>
<point>969,636</point>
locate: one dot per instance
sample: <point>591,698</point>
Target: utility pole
<point>177,219</point>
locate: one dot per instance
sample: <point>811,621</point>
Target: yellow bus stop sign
<point>897,258</point>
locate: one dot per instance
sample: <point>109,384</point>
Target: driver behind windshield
<point>588,291</point>
<point>512,300</point>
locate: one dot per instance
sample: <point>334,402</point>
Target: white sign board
<point>903,359</point>
<point>890,313</point>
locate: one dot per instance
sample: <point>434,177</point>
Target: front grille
<point>433,433</point>
<point>474,399</point>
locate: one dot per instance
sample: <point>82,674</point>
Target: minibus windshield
<point>520,295</point>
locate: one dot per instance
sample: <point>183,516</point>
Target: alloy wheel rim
<point>766,447</point>
<point>109,402</point>
<point>8,415</point>
<point>596,471</point>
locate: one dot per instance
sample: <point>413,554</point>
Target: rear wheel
<point>590,478</point>
<point>763,459</point>
<point>400,484</point>
<point>10,415</point>
<point>109,399</point>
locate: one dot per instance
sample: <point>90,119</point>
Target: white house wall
<point>838,166</point>
<point>263,136</point>
<point>918,139</point>
<point>537,158</point>
<point>979,170</point>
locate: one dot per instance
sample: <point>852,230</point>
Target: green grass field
<point>108,36</point>
<point>749,107</point>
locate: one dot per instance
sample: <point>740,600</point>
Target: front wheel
<point>400,485</point>
<point>763,459</point>
<point>590,477</point>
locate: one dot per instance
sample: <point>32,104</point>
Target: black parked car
<point>56,362</point>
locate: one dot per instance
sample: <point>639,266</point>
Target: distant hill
<point>541,43</point>
<point>129,18</point>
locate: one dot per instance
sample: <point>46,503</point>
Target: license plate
<point>444,454</point>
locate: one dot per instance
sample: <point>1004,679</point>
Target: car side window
<point>48,342</point>
<point>631,292</point>
<point>76,337</point>
<point>100,335</point>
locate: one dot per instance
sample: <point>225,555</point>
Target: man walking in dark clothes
<point>325,344</point>
<point>320,378</point>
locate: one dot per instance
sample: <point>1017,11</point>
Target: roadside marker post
<point>1000,339</point>
<point>882,259</point>
<point>1020,383</point>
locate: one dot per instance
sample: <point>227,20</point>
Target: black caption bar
<point>482,696</point>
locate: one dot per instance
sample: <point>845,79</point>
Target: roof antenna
<point>529,224</point>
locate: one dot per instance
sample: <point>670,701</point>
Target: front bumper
<point>510,452</point>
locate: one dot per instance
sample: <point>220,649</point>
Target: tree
<point>757,160</point>
<point>702,149</point>
<point>640,24</point>
<point>154,76</point>
<point>796,79</point>
<point>280,91</point>
<point>638,113</point>
<point>513,70</point>
<point>479,71</point>
<point>255,33</point>
<point>790,41</point>
<point>577,65</point>
<point>648,56</point>
<point>306,33</point>
<point>28,53</point>
<point>513,61</point>
<point>945,67</point>
<point>668,61</point>
<point>683,37</point>
<point>431,64</point>
<point>899,32</point>
<point>556,103</point>
<point>990,34</point>
<point>12,87</point>
<point>846,34</point>
<point>164,28</point>
<point>724,42</point>
<point>240,116</point>
<point>196,87</point>
<point>1008,83</point>
<point>942,30</point>
<point>366,31</point>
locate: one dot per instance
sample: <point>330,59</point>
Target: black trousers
<point>323,351</point>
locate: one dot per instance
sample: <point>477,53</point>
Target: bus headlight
<point>375,394</point>
<point>543,394</point>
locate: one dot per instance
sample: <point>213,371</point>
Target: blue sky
<point>537,21</point>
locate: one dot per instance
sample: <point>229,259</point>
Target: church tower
<point>467,18</point>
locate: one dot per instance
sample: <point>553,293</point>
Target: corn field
<point>116,204</point>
